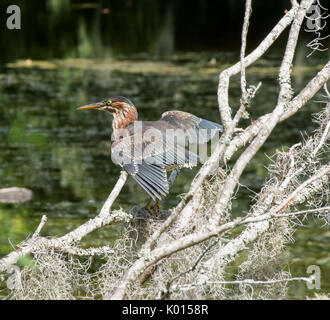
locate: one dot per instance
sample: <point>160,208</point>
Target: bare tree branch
<point>170,248</point>
<point>225,75</point>
<point>66,242</point>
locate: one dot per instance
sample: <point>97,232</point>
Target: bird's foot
<point>153,209</point>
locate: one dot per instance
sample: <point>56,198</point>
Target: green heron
<point>147,150</point>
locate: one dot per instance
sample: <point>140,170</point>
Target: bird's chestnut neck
<point>123,116</point>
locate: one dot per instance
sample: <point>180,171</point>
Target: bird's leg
<point>148,206</point>
<point>153,209</point>
<point>156,207</point>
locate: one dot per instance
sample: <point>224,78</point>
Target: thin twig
<point>164,294</point>
<point>41,225</point>
<point>245,28</point>
<point>324,171</point>
<point>239,282</point>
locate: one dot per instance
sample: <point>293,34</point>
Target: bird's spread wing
<point>161,151</point>
<point>197,130</point>
<point>146,160</point>
<point>146,156</point>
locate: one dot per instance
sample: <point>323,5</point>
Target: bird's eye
<point>109,102</point>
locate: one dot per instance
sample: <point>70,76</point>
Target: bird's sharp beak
<point>91,106</point>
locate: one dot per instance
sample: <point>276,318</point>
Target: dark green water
<point>64,155</point>
<point>104,28</point>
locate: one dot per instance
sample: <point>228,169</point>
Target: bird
<point>147,150</point>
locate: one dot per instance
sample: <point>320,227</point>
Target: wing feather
<point>152,178</point>
<point>196,129</point>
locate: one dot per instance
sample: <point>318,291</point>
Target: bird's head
<point>114,105</point>
<point>121,108</point>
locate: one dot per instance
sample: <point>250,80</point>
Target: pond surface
<point>64,155</point>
